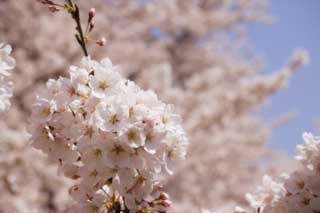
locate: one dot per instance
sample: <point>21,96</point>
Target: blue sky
<point>296,25</point>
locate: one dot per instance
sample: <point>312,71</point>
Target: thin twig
<point>75,13</point>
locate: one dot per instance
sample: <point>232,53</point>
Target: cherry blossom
<point>108,135</point>
<point>295,192</point>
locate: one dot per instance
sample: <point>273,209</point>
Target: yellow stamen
<point>94,173</point>
<point>89,132</point>
<point>45,111</point>
<point>103,85</point>
<point>165,120</point>
<point>130,112</point>
<point>149,137</point>
<point>132,135</point>
<point>118,149</point>
<point>300,184</point>
<point>97,152</point>
<point>114,119</point>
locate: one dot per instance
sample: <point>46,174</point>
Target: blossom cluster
<point>7,63</point>
<point>110,136</point>
<point>297,192</point>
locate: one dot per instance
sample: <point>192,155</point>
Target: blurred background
<point>232,68</point>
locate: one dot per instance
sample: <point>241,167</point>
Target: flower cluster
<point>110,136</point>
<point>7,63</point>
<point>297,192</point>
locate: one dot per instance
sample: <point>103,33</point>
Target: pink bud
<point>166,203</point>
<point>92,13</point>
<point>163,196</point>
<point>53,8</point>
<point>101,42</point>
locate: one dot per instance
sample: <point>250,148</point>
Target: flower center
<point>103,85</point>
<point>118,149</point>
<point>114,119</point>
<point>149,137</point>
<point>132,135</point>
<point>45,111</point>
<point>89,132</point>
<point>300,184</point>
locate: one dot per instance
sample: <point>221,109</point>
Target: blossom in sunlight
<point>266,195</point>
<point>297,192</point>
<point>309,154</point>
<point>110,136</point>
<point>7,63</point>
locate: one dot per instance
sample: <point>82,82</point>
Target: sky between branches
<point>296,24</point>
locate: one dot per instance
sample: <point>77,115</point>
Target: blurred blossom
<point>7,63</point>
<point>28,181</point>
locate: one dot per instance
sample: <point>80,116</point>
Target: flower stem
<point>73,9</point>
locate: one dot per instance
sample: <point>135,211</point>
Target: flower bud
<point>92,13</point>
<point>166,203</point>
<point>163,196</point>
<point>101,42</point>
<point>53,8</point>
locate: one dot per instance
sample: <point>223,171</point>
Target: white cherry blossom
<point>108,135</point>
